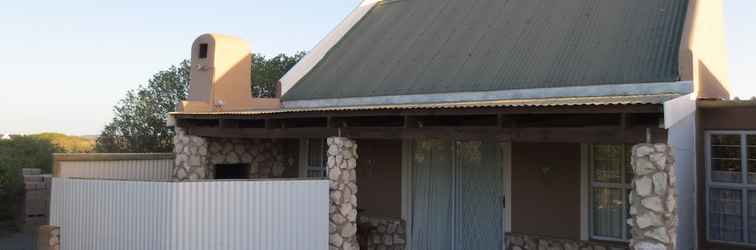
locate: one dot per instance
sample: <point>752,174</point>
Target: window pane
<point>751,141</point>
<point>315,153</point>
<point>607,212</point>
<point>752,216</point>
<point>726,215</point>
<point>316,173</point>
<point>607,163</point>
<point>725,158</point>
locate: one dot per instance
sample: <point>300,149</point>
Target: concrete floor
<point>24,240</point>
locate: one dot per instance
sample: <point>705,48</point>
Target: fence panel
<point>271,214</point>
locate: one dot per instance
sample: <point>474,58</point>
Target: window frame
<point>591,184</point>
<point>304,161</point>
<point>742,186</point>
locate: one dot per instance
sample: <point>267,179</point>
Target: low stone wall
<point>197,156</point>
<point>384,233</point>
<point>48,238</point>
<point>533,242</point>
<point>653,199</point>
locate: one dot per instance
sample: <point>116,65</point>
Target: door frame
<point>505,151</point>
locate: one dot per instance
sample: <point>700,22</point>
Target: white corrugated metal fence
<point>271,214</point>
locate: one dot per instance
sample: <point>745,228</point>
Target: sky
<point>65,64</point>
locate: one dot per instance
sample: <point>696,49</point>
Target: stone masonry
<point>265,157</point>
<point>652,200</point>
<point>197,156</point>
<point>191,157</point>
<point>519,241</point>
<point>385,233</point>
<point>342,161</point>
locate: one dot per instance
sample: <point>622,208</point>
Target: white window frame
<point>304,154</point>
<point>587,196</point>
<point>743,187</point>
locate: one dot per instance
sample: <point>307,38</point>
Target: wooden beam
<point>574,135</point>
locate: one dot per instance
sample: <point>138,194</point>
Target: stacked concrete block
<point>37,196</point>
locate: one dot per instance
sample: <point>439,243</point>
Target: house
<point>727,132</point>
<point>484,124</point>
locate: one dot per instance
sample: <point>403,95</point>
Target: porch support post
<point>342,161</point>
<point>191,157</point>
<point>653,198</point>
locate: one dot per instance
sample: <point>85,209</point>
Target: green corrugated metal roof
<point>441,46</point>
<point>537,102</point>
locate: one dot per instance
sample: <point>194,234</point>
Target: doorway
<point>457,192</point>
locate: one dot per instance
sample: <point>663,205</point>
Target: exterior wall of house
<point>703,51</point>
<point>379,178</point>
<point>197,157</point>
<point>722,118</point>
<point>546,189</point>
<point>680,120</point>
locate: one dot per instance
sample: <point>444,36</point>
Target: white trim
<point>678,109</point>
<point>743,187</point>
<point>312,58</point>
<point>681,87</point>
<point>584,183</point>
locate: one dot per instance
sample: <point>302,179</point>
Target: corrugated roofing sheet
<point>440,46</point>
<point>545,102</point>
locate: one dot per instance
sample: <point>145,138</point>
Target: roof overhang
<point>513,103</point>
<point>713,104</point>
<point>590,92</point>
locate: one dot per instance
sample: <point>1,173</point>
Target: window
<point>203,50</point>
<point>314,157</point>
<point>731,187</point>
<point>611,176</point>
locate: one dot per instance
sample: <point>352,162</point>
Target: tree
<point>267,71</point>
<point>68,144</point>
<point>138,125</point>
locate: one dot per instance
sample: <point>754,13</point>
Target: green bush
<point>22,152</point>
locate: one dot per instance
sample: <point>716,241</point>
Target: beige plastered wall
<point>703,50</point>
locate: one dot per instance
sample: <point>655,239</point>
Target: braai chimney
<point>220,77</point>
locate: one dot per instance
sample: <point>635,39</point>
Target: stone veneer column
<point>191,157</point>
<point>342,161</point>
<point>652,200</point>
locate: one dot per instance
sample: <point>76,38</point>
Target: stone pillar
<point>191,157</point>
<point>653,198</point>
<point>342,161</point>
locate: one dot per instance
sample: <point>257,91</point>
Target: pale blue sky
<point>64,64</point>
